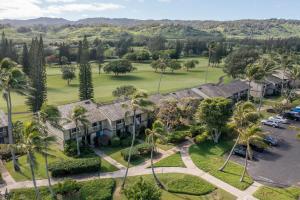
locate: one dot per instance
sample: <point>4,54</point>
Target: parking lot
<point>278,166</point>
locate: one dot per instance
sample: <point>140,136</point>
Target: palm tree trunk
<point>77,141</point>
<point>160,79</point>
<point>152,168</point>
<point>37,193</point>
<point>245,167</point>
<point>10,131</point>
<point>261,98</point>
<point>249,91</point>
<point>48,176</point>
<point>230,154</point>
<point>130,150</point>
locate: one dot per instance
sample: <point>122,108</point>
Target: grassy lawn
<point>171,161</point>
<point>144,77</point>
<point>95,189</point>
<point>165,147</point>
<point>40,171</point>
<point>115,153</point>
<point>178,185</point>
<point>266,193</point>
<point>209,157</point>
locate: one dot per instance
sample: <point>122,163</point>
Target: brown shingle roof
<point>93,115</point>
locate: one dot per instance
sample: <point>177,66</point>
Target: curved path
<point>142,169</point>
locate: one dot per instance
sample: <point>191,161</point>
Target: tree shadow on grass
<point>125,78</point>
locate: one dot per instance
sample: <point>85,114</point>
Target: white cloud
<point>20,9</point>
<point>24,9</point>
<point>81,7</point>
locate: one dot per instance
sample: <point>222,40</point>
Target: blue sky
<point>151,9</point>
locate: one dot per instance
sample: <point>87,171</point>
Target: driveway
<point>278,166</point>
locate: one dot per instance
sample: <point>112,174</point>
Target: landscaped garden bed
<point>210,157</point>
<point>266,193</point>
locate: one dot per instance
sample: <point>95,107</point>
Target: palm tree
<point>162,64</point>
<point>11,79</point>
<point>48,114</point>
<point>31,143</point>
<point>157,133</point>
<point>79,118</point>
<point>138,101</point>
<point>268,67</point>
<point>253,72</point>
<point>294,73</point>
<point>251,135</point>
<point>244,115</point>
<point>211,49</point>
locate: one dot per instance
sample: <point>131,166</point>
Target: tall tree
<point>37,75</point>
<point>30,143</point>
<point>253,73</point>
<point>137,102</point>
<point>79,118</point>
<point>190,64</point>
<point>251,135</point>
<point>244,115</point>
<point>48,114</point>
<point>214,113</point>
<point>25,60</point>
<point>153,135</point>
<point>86,90</point>
<point>11,79</point>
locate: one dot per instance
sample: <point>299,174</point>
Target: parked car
<point>270,140</point>
<point>273,123</point>
<point>296,109</point>
<point>291,116</point>
<point>240,150</point>
<point>279,119</point>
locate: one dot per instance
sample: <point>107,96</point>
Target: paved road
<point>279,166</point>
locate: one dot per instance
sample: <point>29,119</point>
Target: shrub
<point>197,130</point>
<point>74,166</point>
<point>177,136</point>
<point>201,138</point>
<point>68,186</point>
<point>126,142</point>
<point>143,149</point>
<point>134,153</point>
<point>98,189</point>
<point>298,136</point>
<point>70,148</point>
<point>5,153</point>
<point>142,189</point>
<point>115,141</point>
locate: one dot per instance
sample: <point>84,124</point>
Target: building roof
<point>93,115</point>
<point>3,119</point>
<point>181,94</point>
<point>273,79</point>
<point>212,90</point>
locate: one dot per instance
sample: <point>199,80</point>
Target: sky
<point>151,9</point>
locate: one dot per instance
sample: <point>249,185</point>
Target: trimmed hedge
<point>76,166</point>
<point>115,141</point>
<point>137,151</point>
<point>95,189</point>
<point>177,136</point>
<point>201,138</point>
<point>5,153</point>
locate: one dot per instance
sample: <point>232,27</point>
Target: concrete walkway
<point>143,169</point>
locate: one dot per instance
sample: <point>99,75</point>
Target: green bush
<point>68,186</point>
<point>143,149</point>
<point>177,136</point>
<point>74,166</point>
<point>298,136</point>
<point>134,153</point>
<point>126,142</point>
<point>201,138</point>
<point>5,153</point>
<point>142,189</point>
<point>98,189</point>
<point>115,141</point>
<point>197,130</point>
<point>70,148</point>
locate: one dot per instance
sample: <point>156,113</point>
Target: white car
<point>272,123</point>
<point>279,119</point>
